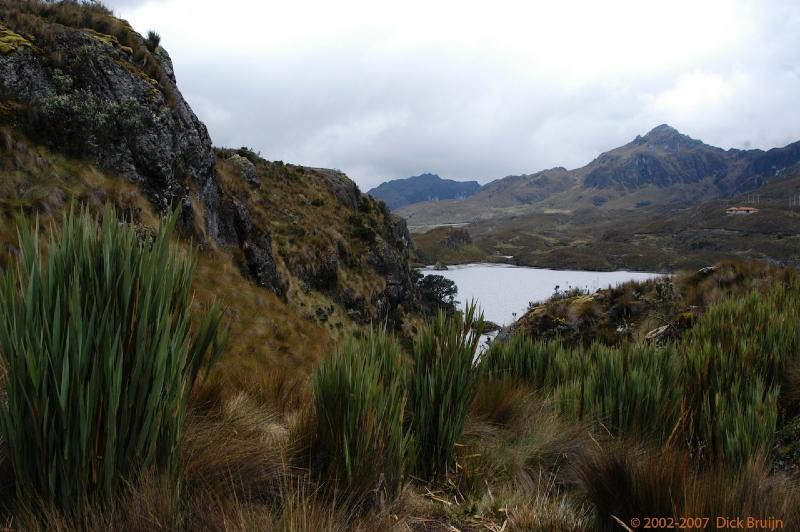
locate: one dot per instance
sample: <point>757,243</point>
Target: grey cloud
<point>470,118</point>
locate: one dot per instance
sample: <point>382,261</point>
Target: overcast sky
<point>478,90</point>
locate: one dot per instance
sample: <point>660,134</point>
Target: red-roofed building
<point>741,210</point>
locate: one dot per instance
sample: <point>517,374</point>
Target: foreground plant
<point>100,352</point>
<point>736,361</point>
<point>360,401</point>
<point>443,384</point>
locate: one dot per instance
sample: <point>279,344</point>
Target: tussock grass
<point>443,382</point>
<point>626,482</point>
<point>736,361</point>
<point>100,356</point>
<point>631,388</point>
<point>360,404</point>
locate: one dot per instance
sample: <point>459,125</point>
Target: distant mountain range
<point>603,215</point>
<point>662,168</point>
<point>420,188</point>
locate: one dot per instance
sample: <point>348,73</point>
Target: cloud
<point>476,90</point>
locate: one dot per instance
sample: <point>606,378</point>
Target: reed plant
<point>359,396</point>
<point>101,347</point>
<point>736,359</point>
<point>443,384</point>
<point>535,362</point>
<point>632,389</point>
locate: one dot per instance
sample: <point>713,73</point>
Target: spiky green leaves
<point>100,352</point>
<point>442,387</point>
<point>360,401</point>
<point>377,421</point>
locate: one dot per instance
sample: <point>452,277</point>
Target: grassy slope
<point>266,330</point>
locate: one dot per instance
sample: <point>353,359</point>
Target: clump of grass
<point>736,360</point>
<point>152,41</point>
<point>626,482</point>
<point>360,401</point>
<point>443,384</point>
<point>525,359</point>
<point>100,356</point>
<point>631,389</point>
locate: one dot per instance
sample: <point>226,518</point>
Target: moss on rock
<point>10,41</point>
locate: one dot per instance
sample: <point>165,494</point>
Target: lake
<point>504,291</point>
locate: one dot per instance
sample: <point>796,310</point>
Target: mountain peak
<point>663,129</point>
<point>666,136</point>
<point>423,187</point>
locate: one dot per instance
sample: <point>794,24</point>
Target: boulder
<point>246,169</point>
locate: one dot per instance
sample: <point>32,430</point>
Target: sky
<point>478,90</point>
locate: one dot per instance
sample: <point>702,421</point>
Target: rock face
<point>457,238</point>
<point>99,102</point>
<point>247,169</point>
<point>237,229</point>
<point>391,259</point>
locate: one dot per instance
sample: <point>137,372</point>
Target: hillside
<point>426,187</point>
<point>657,203</point>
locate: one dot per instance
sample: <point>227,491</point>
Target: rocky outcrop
<point>247,169</point>
<point>389,256</point>
<point>118,105</point>
<point>457,238</point>
<point>97,101</point>
<point>237,229</point>
<point>345,190</point>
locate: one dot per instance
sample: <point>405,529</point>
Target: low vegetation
<point>360,401</point>
<point>536,434</point>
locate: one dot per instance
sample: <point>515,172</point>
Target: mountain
<point>662,168</point>
<point>656,203</point>
<point>419,188</point>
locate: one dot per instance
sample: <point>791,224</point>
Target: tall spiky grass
<point>100,352</point>
<point>443,384</point>
<point>736,359</point>
<point>360,402</point>
<point>632,389</point>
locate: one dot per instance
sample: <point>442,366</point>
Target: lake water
<point>503,291</point>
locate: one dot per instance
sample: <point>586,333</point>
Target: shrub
<point>80,122</point>
<point>436,293</point>
<point>360,402</point>
<point>100,356</point>
<point>442,387</point>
